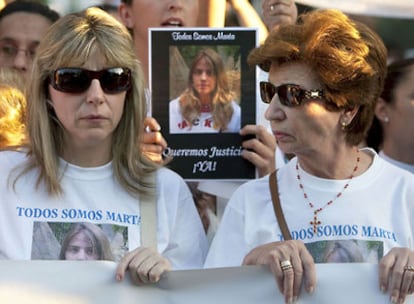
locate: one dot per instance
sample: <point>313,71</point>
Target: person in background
<point>277,12</point>
<point>207,105</point>
<point>157,14</point>
<point>12,115</point>
<point>391,130</point>
<point>85,242</point>
<point>326,73</point>
<point>86,106</point>
<point>22,26</point>
<point>220,13</point>
<point>111,9</point>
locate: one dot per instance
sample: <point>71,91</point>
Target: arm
<point>212,13</point>
<point>248,17</point>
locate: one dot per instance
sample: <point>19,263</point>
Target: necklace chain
<point>316,211</point>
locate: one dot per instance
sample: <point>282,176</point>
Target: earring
<point>343,125</point>
<point>386,119</point>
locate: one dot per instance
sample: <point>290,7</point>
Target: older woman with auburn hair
<point>86,106</point>
<point>325,75</point>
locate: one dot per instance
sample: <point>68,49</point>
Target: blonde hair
<point>12,116</point>
<point>70,42</point>
<point>222,108</point>
<point>348,57</point>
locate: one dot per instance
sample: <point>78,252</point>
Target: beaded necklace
<point>315,221</point>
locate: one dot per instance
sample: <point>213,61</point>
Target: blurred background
<point>392,19</point>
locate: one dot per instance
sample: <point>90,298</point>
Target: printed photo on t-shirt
<point>346,251</point>
<point>78,241</point>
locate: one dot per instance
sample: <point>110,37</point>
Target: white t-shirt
<point>373,214</point>
<point>31,222</point>
<point>405,166</point>
<point>204,124</point>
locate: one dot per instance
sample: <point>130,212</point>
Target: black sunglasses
<point>78,80</point>
<point>290,95</point>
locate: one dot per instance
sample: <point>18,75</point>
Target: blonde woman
<point>85,119</point>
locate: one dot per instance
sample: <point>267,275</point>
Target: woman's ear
<point>349,115</point>
<point>126,15</point>
<point>381,110</point>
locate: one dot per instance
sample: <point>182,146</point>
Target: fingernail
<point>118,277</point>
<point>157,127</point>
<point>311,289</point>
<point>295,299</point>
<point>394,300</point>
<point>383,290</point>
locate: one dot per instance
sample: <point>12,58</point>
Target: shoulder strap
<point>277,208</point>
<point>148,210</point>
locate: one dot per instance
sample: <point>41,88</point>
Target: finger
<point>123,264</point>
<point>143,268</point>
<point>384,267</point>
<point>396,282</point>
<point>298,276</point>
<point>411,289</point>
<point>158,269</point>
<point>259,148</point>
<point>261,156</point>
<point>151,124</point>
<point>288,282</point>
<point>278,274</point>
<point>277,8</point>
<point>267,3</point>
<point>154,138</point>
<point>263,165</point>
<point>309,270</point>
<point>139,267</point>
<point>251,130</point>
<point>260,133</point>
<point>406,284</point>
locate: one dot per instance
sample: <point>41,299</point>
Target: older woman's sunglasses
<point>290,95</point>
<point>78,80</point>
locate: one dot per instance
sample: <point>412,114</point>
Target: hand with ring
<point>290,263</point>
<point>396,274</point>
<point>277,12</point>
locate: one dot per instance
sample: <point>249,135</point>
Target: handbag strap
<point>277,207</point>
<point>148,210</point>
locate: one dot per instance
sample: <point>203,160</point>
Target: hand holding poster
<point>203,92</point>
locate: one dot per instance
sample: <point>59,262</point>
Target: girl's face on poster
<point>203,78</point>
<point>80,247</point>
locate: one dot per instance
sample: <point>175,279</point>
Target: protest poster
<point>202,93</point>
